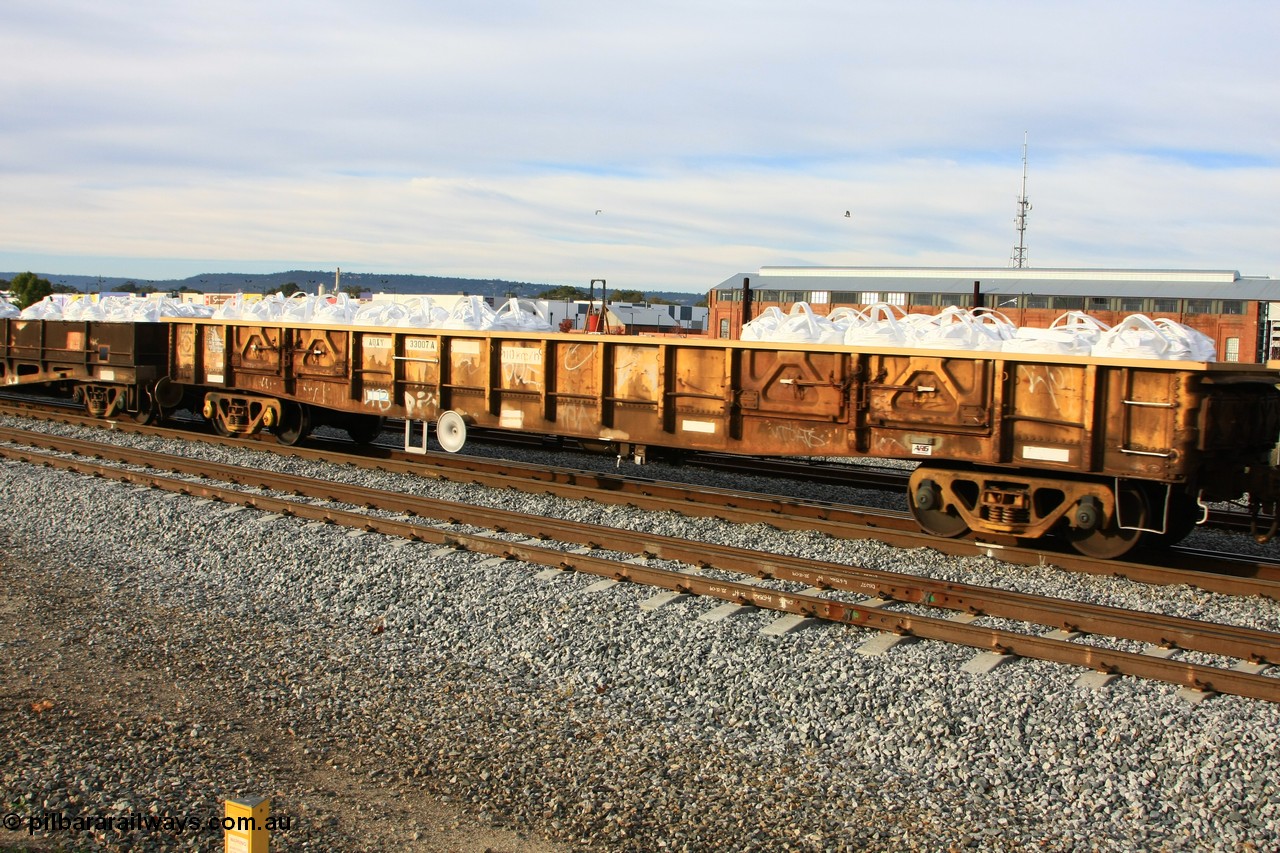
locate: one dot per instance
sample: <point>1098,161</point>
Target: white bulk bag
<point>334,309</point>
<point>298,308</point>
<point>958,328</point>
<point>1136,336</point>
<point>762,327</point>
<point>470,312</point>
<point>49,308</point>
<point>1197,345</point>
<point>424,313</point>
<point>268,308</point>
<point>379,314</point>
<point>521,315</point>
<point>232,309</point>
<point>177,308</point>
<point>845,318</point>
<point>1074,333</point>
<point>881,328</point>
<point>804,327</point>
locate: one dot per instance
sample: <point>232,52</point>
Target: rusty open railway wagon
<point>1107,453</point>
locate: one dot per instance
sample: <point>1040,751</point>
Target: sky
<point>660,145</point>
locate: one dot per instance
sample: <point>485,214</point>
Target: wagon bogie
<point>240,414</point>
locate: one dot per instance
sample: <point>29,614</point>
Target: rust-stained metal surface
<point>113,365</point>
<point>1142,419</point>
<point>42,351</point>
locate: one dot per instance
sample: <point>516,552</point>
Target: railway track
<point>813,470</point>
<point>1214,572</point>
<point>899,605</point>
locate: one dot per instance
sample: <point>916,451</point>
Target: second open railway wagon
<point>1108,453</point>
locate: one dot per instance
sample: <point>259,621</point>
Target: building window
<point>819,297</point>
<point>869,297</point>
<point>1199,306</point>
<point>895,298</point>
<point>946,300</point>
<point>766,296</point>
<point>1232,306</point>
<point>1132,304</point>
<point>844,297</point>
<point>1037,301</point>
<point>724,328</point>
<point>1233,350</point>
<point>790,296</point>
<point>1167,306</point>
<point>1068,303</point>
<point>728,295</point>
<point>1100,303</point>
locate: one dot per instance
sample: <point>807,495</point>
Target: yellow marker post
<point>244,829</point>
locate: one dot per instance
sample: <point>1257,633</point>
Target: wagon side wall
<point>1142,419</point>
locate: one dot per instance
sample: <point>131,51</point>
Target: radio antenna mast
<point>1024,207</point>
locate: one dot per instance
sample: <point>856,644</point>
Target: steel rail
<point>1246,577</point>
<point>1167,631</point>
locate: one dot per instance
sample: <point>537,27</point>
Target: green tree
<point>564,291</point>
<point>28,288</point>
<point>626,296</point>
<point>287,289</point>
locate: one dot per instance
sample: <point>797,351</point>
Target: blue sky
<point>164,138</point>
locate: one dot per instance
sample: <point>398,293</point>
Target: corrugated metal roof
<point>1178,284</point>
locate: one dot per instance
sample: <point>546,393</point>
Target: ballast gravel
<point>362,682</point>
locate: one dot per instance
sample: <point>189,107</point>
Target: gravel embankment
<point>388,696</point>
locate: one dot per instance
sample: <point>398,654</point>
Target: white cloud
<point>479,140</point>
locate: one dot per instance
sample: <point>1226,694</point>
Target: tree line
<point>27,289</point>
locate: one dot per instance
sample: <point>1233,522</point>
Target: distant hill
<point>310,280</point>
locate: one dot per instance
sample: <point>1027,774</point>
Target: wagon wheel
<point>932,516</point>
<point>166,396</point>
<point>1108,541</point>
<point>219,425</point>
<point>148,409</point>
<point>364,429</point>
<point>295,423</point>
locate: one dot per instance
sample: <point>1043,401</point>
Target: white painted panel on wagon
<point>1046,454</point>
